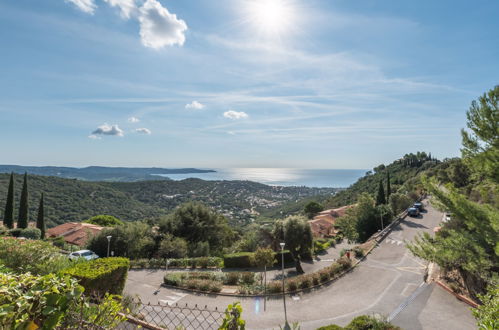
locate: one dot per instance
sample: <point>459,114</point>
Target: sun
<point>270,17</point>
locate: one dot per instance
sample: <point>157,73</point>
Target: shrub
<point>204,285</point>
<point>203,262</point>
<point>369,322</point>
<point>101,276</point>
<point>288,258</point>
<point>359,253</point>
<point>232,278</point>
<point>191,284</point>
<point>274,287</point>
<point>201,275</point>
<point>239,260</point>
<point>345,262</point>
<point>343,252</point>
<point>15,232</point>
<point>331,327</point>
<point>305,281</point>
<point>104,221</point>
<point>174,279</point>
<point>334,269</point>
<point>215,286</point>
<point>31,233</point>
<point>157,263</point>
<point>248,277</point>
<point>291,285</point>
<point>316,279</point>
<point>324,275</point>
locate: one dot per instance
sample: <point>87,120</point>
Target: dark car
<point>418,206</point>
<point>413,212</point>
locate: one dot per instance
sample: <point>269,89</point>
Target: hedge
<point>239,260</point>
<point>201,262</point>
<point>101,276</point>
<point>288,258</point>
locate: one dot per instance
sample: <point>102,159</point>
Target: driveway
<point>388,282</point>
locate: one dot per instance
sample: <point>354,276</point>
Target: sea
<point>323,178</point>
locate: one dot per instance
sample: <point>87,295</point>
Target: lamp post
<point>286,325</point>
<point>108,244</point>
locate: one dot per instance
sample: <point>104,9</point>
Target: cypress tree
<point>388,186</point>
<point>8,218</point>
<point>22,221</point>
<point>40,220</point>
<point>380,197</point>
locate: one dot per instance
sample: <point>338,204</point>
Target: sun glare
<point>270,17</point>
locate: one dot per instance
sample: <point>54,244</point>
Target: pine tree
<point>388,186</point>
<point>22,221</point>
<point>380,197</point>
<point>40,220</point>
<point>8,218</point>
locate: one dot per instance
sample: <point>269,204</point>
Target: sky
<point>331,84</point>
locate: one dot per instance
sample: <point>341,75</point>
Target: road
<point>388,282</point>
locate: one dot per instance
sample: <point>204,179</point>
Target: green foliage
<point>232,319</point>
<point>363,220</point>
<point>40,219</point>
<point>8,218</point>
<point>399,202</point>
<point>23,215</point>
<point>132,239</point>
<point>487,315</point>
<point>101,276</point>
<point>380,196</point>
<point>104,221</point>
<point>31,233</point>
<point>172,247</point>
<point>388,186</point>
<point>36,257</point>
<point>264,257</point>
<point>298,239</point>
<point>28,300</point>
<point>239,260</point>
<point>312,208</point>
<point>481,146</point>
<point>363,322</point>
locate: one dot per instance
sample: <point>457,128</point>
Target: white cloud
<point>127,7</point>
<point>195,105</point>
<point>106,129</point>
<point>94,137</point>
<point>88,6</point>
<point>133,120</point>
<point>143,130</point>
<point>160,28</point>
<point>231,114</point>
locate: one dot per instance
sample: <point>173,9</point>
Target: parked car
<point>418,206</point>
<point>448,216</point>
<point>87,254</point>
<point>412,212</point>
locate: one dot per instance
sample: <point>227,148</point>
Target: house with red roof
<point>323,224</point>
<point>76,233</point>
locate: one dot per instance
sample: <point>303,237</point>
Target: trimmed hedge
<point>239,260</point>
<point>288,258</point>
<point>101,276</point>
<point>201,262</point>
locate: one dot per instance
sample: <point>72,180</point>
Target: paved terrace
<point>388,282</point>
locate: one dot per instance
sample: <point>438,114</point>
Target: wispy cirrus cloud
<point>133,120</point>
<point>87,6</point>
<point>105,129</point>
<point>143,130</point>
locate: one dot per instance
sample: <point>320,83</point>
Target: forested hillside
<point>74,200</point>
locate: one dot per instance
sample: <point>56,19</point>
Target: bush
<point>101,276</point>
<point>248,277</point>
<point>232,278</point>
<point>215,286</point>
<point>316,279</point>
<point>15,232</point>
<point>345,262</point>
<point>31,233</point>
<point>334,269</point>
<point>174,279</point>
<point>291,285</point>
<point>274,287</point>
<point>324,275</point>
<point>203,262</point>
<point>104,221</point>
<point>369,322</point>
<point>239,260</point>
<point>331,327</point>
<point>305,281</point>
<point>288,258</point>
<point>359,253</point>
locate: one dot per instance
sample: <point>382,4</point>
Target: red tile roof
<point>75,232</point>
<point>322,224</point>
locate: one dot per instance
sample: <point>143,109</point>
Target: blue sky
<point>240,83</point>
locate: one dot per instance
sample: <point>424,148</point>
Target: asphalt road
<point>388,282</point>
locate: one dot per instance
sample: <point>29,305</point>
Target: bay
<point>330,178</point>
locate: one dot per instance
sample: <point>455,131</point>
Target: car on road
<point>418,206</point>
<point>86,254</point>
<point>412,212</point>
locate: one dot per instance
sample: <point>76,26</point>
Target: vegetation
<point>239,260</point>
<point>487,315</point>
<point>40,219</point>
<point>104,220</point>
<point>23,215</point>
<point>232,319</point>
<point>363,322</point>
<point>8,218</point>
<point>201,262</point>
<point>312,208</point>
<point>101,276</point>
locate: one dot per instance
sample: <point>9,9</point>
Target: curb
<point>458,296</point>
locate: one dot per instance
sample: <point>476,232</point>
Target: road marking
<point>295,298</point>
<point>172,299</point>
<point>406,302</point>
<point>415,270</point>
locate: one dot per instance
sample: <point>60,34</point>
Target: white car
<point>87,254</point>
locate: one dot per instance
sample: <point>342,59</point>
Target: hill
<point>75,200</point>
<point>101,173</point>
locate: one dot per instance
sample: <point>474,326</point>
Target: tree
<point>487,315</point>
<point>264,257</point>
<point>368,221</point>
<point>312,208</point>
<point>23,216</point>
<point>481,146</point>
<point>380,197</point>
<point>399,202</point>
<point>172,247</point>
<point>298,239</point>
<point>388,186</point>
<point>8,218</point>
<point>104,221</point>
<point>40,219</point>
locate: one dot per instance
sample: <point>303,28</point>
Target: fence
<point>172,317</point>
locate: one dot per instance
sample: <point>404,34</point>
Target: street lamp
<point>286,325</point>
<point>108,244</point>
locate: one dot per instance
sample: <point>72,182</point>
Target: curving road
<point>388,282</point>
